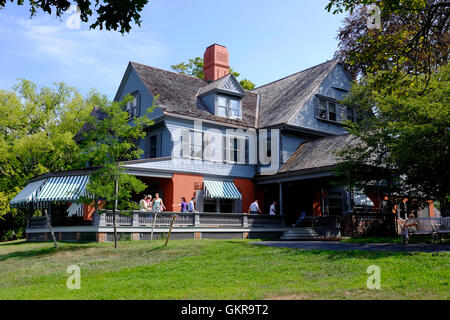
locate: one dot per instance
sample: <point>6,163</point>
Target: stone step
<point>311,234</point>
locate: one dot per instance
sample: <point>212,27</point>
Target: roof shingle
<point>178,94</point>
<point>282,99</point>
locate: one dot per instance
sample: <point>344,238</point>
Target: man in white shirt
<point>191,206</point>
<point>254,208</point>
<point>272,210</point>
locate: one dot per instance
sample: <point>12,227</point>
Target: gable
<point>227,84</point>
<point>231,85</point>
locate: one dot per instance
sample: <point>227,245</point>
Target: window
<point>328,110</point>
<point>221,107</point>
<point>350,114</point>
<point>133,105</point>
<point>196,144</point>
<point>322,109</point>
<point>235,150</point>
<point>192,144</point>
<point>228,108</point>
<point>153,149</point>
<point>235,106</point>
<point>209,205</point>
<point>332,111</point>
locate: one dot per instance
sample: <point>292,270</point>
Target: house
<point>226,146</point>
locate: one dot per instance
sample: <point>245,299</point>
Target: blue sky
<point>266,40</point>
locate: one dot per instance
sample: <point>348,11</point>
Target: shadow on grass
<point>37,252</point>
<point>343,254</point>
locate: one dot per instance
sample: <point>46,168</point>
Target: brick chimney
<point>216,62</point>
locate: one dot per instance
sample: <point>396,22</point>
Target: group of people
<point>187,206</point>
<point>147,204</point>
<point>254,208</point>
<point>152,205</point>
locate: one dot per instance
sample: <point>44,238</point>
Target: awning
<point>24,197</point>
<point>64,188</point>
<point>361,200</point>
<point>221,190</point>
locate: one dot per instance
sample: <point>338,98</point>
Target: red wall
<point>183,186</point>
<point>247,189</point>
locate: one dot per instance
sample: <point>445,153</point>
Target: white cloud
<point>79,57</point>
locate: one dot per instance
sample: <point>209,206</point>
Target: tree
<point>36,131</point>
<point>111,141</point>
<point>413,38</point>
<point>405,133</point>
<point>110,14</point>
<point>194,68</point>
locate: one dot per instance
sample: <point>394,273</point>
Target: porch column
<point>281,198</point>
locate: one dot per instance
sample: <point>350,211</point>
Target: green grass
<point>215,269</point>
<point>422,238</point>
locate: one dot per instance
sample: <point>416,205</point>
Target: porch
<point>138,226</point>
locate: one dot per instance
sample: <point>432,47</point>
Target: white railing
<point>145,219</point>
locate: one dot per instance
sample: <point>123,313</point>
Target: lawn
<point>215,269</point>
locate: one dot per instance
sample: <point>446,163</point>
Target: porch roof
<point>221,190</point>
<point>24,197</point>
<point>63,188</point>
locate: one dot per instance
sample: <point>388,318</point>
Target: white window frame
<point>188,143</point>
<point>239,150</point>
<point>132,106</point>
<point>338,110</point>
<point>228,108</point>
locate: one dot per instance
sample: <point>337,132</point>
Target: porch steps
<point>316,233</point>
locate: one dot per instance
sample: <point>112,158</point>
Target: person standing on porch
<point>272,210</point>
<point>191,205</point>
<point>254,208</point>
<point>158,204</point>
<point>184,204</point>
<point>143,204</point>
<point>149,202</point>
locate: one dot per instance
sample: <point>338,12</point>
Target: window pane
<point>322,109</point>
<point>209,205</point>
<point>350,114</point>
<point>226,205</point>
<point>221,101</point>
<point>221,111</point>
<point>196,144</point>
<point>235,108</point>
<point>332,111</point>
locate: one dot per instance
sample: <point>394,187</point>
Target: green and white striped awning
<point>221,190</point>
<point>27,195</point>
<point>64,188</point>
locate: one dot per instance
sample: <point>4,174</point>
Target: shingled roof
<point>178,94</point>
<point>282,99</point>
<point>318,153</point>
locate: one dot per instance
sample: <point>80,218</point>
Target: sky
<point>266,39</point>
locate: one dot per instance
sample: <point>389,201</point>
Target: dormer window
<point>133,105</point>
<point>221,109</point>
<point>327,110</point>
<point>351,114</point>
<point>227,107</point>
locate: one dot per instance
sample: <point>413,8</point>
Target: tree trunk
<point>49,223</point>
<point>116,202</point>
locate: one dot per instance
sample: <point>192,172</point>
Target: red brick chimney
<point>216,62</point>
